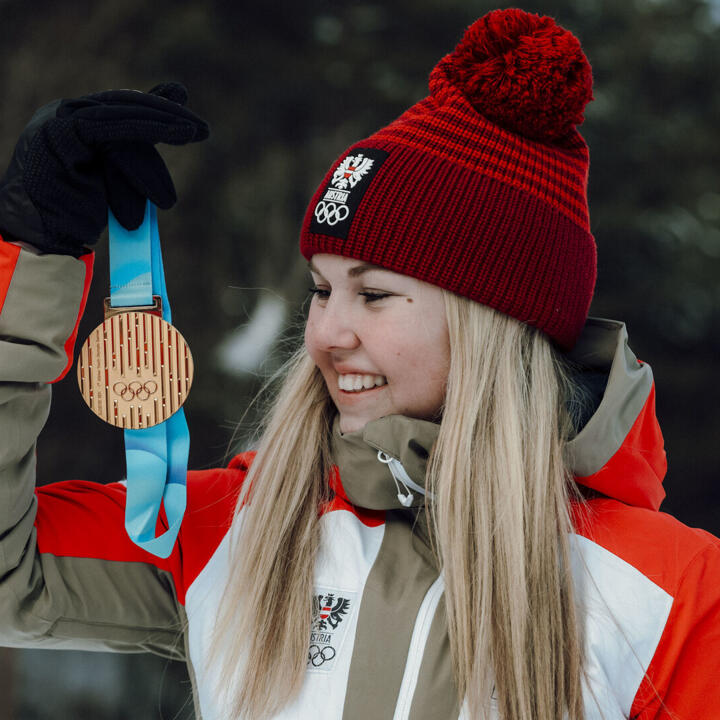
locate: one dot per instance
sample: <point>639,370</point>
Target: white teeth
<point>353,382</point>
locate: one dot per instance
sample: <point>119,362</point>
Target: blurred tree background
<point>286,86</point>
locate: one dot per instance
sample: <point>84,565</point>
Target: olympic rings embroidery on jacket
<point>136,389</point>
<point>317,656</point>
<point>331,213</point>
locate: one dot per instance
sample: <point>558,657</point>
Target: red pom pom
<point>524,72</point>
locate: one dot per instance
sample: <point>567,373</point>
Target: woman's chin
<point>353,423</point>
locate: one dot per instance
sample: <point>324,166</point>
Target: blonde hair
<point>501,518</point>
<point>500,521</point>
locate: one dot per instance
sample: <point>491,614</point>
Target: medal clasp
<point>154,309</point>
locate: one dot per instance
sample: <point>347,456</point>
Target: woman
<point>452,505</point>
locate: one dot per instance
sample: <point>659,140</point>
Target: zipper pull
<point>406,498</point>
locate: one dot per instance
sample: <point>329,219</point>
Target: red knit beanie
<point>480,188</point>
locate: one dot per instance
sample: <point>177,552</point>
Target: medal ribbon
<point>157,456</point>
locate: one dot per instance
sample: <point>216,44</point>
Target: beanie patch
<point>340,198</point>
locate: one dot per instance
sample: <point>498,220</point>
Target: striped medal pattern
<point>135,370</point>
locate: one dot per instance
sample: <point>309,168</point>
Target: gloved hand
<point>77,157</point>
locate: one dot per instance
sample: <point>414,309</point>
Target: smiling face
<point>368,322</point>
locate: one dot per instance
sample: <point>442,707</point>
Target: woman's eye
<point>369,296</point>
<point>320,293</point>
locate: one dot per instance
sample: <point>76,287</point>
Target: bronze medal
<point>135,369</point>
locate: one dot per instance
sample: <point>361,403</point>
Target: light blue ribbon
<point>156,457</point>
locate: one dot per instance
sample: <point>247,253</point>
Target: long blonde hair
<point>500,521</point>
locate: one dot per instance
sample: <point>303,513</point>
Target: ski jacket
<point>648,587</point>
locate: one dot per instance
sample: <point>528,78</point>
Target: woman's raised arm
<point>69,575</point>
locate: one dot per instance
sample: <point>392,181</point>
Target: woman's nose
<point>332,326</point>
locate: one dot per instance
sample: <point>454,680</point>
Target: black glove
<point>77,157</point>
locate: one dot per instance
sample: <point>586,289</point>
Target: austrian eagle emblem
<point>351,170</point>
<point>328,611</point>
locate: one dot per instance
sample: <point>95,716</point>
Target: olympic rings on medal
<point>318,656</point>
<point>331,213</point>
<point>141,391</point>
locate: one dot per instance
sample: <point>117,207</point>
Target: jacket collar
<point>368,482</point>
<point>619,451</point>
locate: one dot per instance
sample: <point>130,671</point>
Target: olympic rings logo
<point>318,656</point>
<point>136,389</point>
<point>331,213</point>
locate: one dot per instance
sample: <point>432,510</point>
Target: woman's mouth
<point>354,383</point>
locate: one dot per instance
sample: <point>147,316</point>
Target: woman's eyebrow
<point>354,271</point>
